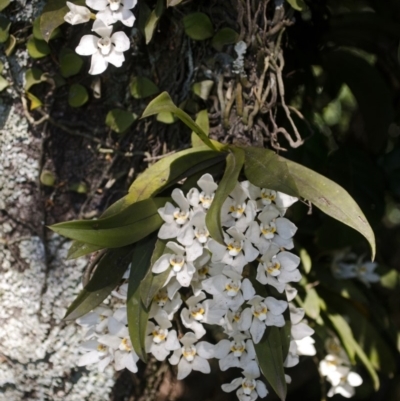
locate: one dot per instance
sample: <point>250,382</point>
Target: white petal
<point>161,264</point>
<point>184,369</point>
<point>97,4</point>
<point>275,320</point>
<point>229,387</point>
<point>201,365</point>
<point>285,227</point>
<point>261,389</point>
<point>247,289</point>
<point>275,306</point>
<point>257,330</point>
<point>301,330</point>
<point>222,349</point>
<point>168,231</point>
<point>121,41</point>
<point>127,17</point>
<point>89,358</point>
<point>128,4</point>
<point>115,58</point>
<point>175,357</point>
<point>205,349</point>
<point>288,260</point>
<point>98,64</point>
<point>101,28</point>
<point>87,45</point>
<point>230,361</point>
<point>172,342</point>
<point>354,379</point>
<point>106,16</point>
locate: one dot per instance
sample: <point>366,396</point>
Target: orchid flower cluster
<point>346,266</point>
<point>335,367</point>
<point>212,283</point>
<point>106,47</point>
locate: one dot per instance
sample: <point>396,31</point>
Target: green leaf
<point>1,67</point>
<point>305,260</point>
<point>106,277</point>
<point>225,36</point>
<point>78,249</point>
<point>5,25</point>
<point>311,303</point>
<point>129,226</point>
<point>37,32</point>
<point>37,48</point>
<point>171,169</point>
<point>198,26</point>
<point>298,5</point>
<point>78,187</point>
<point>173,3</point>
<point>203,122</point>
<point>202,89</point>
<point>270,358</point>
<point>166,117</point>
<point>351,345</point>
<point>53,16</point>
<point>70,63</point>
<point>77,95</point>
<point>152,283</point>
<point>152,21</point>
<point>47,178</point>
<point>120,120</point>
<point>234,164</point>
<point>137,312</point>
<point>35,102</point>
<point>4,4</point>
<point>33,76</point>
<point>267,170</point>
<point>10,45</point>
<point>3,83</point>
<point>143,87</point>
<point>163,102</point>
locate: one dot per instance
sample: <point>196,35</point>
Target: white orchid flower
<point>159,340</point>
<point>194,236</point>
<point>199,312</point>
<point>235,352</point>
<point>249,388</point>
<point>192,356</point>
<point>278,269</point>
<point>118,340</point>
<point>95,352</point>
<point>96,321</point>
<point>176,218</point>
<point>265,312</point>
<point>161,301</point>
<point>106,49</point>
<point>206,196</point>
<point>237,252</point>
<point>236,321</point>
<point>180,268</point>
<point>346,385</point>
<point>365,272</point>
<point>229,289</point>
<point>111,11</point>
<point>77,14</point>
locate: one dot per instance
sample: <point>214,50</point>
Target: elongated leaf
<point>129,226</point>
<point>78,249</point>
<point>152,21</point>
<point>136,311</point>
<point>152,283</point>
<point>163,103</point>
<point>171,169</point>
<point>270,359</point>
<point>351,345</point>
<point>267,170</point>
<point>108,274</point>
<point>234,164</point>
<point>203,122</point>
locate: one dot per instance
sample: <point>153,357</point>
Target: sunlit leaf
<point>47,178</point>
<point>106,277</point>
<point>78,187</point>
<point>35,102</point>
<point>37,32</point>
<point>173,3</point>
<point>270,359</point>
<point>203,122</point>
<point>33,76</point>
<point>298,5</point>
<point>37,48</point>
<point>163,103</point>
<point>166,117</point>
<point>305,260</point>
<point>120,120</point>
<point>311,303</point>
<point>124,228</point>
<point>4,4</point>
<point>202,89</point>
<point>234,164</point>
<point>10,45</point>
<point>137,312</point>
<point>152,21</point>
<point>198,26</point>
<point>267,170</point>
<point>3,83</point>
